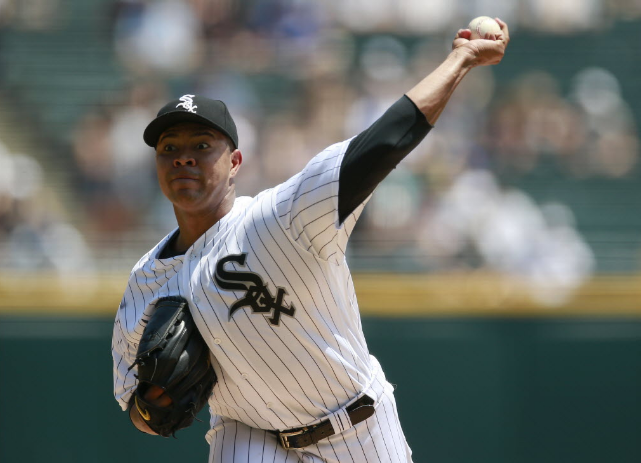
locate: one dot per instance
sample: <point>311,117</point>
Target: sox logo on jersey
<point>257,296</point>
<point>280,254</point>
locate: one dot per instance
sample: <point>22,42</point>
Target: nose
<point>184,161</point>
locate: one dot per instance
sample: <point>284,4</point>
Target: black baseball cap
<point>192,108</point>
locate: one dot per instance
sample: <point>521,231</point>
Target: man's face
<point>195,165</point>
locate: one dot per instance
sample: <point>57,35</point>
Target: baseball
<point>483,25</point>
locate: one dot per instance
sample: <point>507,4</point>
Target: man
<point>267,282</point>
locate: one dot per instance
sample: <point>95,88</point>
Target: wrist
<point>463,57</point>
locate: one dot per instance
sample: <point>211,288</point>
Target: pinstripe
<point>316,187</point>
<point>311,240</point>
<point>296,251</point>
<point>222,444</point>
<point>308,207</point>
<point>219,322</point>
<point>287,188</point>
<point>294,271</point>
<point>385,435</point>
<point>311,190</point>
<point>295,351</point>
<point>144,304</point>
<point>270,347</point>
<point>311,296</point>
<point>318,234</point>
<point>270,367</point>
<point>341,448</point>
<point>333,449</point>
<point>129,372</point>
<point>313,163</point>
<point>133,300</point>
<point>331,240</point>
<point>149,291</point>
<point>361,445</point>
<point>383,439</point>
<point>392,428</point>
<point>338,245</point>
<point>343,242</point>
<point>235,402</point>
<point>117,368</point>
<point>284,344</point>
<point>256,410</point>
<point>397,423</point>
<point>212,336</point>
<point>221,380</point>
<point>347,447</point>
<point>249,446</point>
<point>311,222</point>
<point>390,421</point>
<point>142,296</point>
<point>378,456</point>
<point>243,444</point>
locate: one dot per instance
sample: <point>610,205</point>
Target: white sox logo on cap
<point>187,103</point>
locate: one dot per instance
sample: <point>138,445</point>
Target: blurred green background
<point>474,389</point>
<point>497,268</point>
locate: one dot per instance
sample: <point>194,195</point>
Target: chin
<point>186,199</point>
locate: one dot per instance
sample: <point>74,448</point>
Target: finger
<point>459,42</point>
<point>156,396</point>
<point>153,393</point>
<point>163,401</point>
<point>464,34</point>
<point>504,29</point>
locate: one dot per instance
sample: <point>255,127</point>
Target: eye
<point>202,146</point>
<point>168,147</point>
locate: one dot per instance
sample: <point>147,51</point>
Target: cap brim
<point>161,123</point>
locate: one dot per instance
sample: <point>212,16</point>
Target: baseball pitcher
<point>249,305</point>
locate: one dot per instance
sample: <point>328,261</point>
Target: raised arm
<point>374,153</point>
<point>432,94</point>
<point>320,206</point>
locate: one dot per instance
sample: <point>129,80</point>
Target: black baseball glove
<point>173,356</point>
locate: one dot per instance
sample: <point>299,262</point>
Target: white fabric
<point>378,439</point>
<point>340,420</point>
<point>271,293</point>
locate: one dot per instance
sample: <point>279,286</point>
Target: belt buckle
<point>284,436</point>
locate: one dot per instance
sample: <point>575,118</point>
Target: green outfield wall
<point>491,389</point>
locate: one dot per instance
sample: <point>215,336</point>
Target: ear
<point>236,161</point>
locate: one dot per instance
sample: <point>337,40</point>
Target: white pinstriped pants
<point>378,439</point>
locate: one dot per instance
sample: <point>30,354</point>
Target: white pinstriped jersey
<point>271,293</point>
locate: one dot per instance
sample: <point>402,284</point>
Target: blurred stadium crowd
<point>524,175</point>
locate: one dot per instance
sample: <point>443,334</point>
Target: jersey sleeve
<point>307,206</point>
<point>376,151</point>
<point>123,352</point>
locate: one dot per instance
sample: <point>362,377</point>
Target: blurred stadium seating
<point>515,225</point>
<point>553,130</point>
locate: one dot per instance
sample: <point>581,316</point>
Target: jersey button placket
<point>186,273</point>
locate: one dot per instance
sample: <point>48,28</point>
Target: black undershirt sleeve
<point>375,152</point>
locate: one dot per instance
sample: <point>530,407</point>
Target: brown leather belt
<point>301,437</point>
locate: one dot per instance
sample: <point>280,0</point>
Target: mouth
<point>184,177</point>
